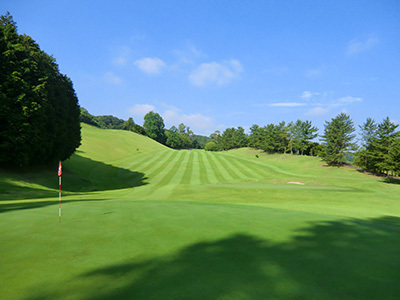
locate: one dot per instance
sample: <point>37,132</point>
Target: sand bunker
<point>295,182</point>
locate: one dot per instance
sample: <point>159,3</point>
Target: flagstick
<point>59,199</point>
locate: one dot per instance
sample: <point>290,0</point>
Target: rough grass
<point>156,223</point>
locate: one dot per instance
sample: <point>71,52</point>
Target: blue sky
<point>218,64</point>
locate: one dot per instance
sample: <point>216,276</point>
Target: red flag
<point>59,169</point>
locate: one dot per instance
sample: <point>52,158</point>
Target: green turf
<point>142,221</point>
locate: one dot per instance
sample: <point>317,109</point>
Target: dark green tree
<point>154,126</point>
<point>382,147</point>
<point>211,146</point>
<point>338,139</point>
<point>129,124</point>
<point>87,118</point>
<point>39,111</point>
<point>138,129</point>
<point>307,132</point>
<point>233,138</point>
<point>173,138</point>
<point>365,154</point>
<point>282,138</point>
<point>110,122</point>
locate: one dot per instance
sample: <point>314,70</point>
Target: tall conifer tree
<point>338,139</point>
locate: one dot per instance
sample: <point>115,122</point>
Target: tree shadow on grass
<point>80,175</point>
<point>392,180</point>
<point>352,259</point>
<point>38,204</point>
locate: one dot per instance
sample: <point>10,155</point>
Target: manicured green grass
<point>142,221</point>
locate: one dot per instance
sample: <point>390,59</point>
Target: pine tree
<point>338,139</point>
<point>382,146</point>
<point>365,153</point>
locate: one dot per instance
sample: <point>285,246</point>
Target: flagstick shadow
<point>32,205</point>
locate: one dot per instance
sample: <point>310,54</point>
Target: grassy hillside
<point>142,221</point>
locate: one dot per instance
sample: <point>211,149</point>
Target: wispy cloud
<point>188,54</point>
<point>215,73</point>
<point>138,111</point>
<point>110,77</point>
<point>122,56</point>
<point>287,104</point>
<point>349,99</point>
<point>358,45</point>
<point>317,111</point>
<point>150,65</point>
<point>308,95</point>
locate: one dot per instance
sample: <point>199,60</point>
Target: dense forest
<point>39,111</point>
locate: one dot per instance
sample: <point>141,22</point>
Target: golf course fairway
<point>142,221</point>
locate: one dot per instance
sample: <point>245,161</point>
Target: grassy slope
<point>158,223</point>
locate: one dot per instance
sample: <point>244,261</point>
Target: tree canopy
<point>154,126</point>
<point>39,111</point>
<point>338,138</point>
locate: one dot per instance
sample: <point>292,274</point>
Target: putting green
<point>142,221</point>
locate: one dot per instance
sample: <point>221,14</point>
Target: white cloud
<point>349,99</point>
<point>220,74</point>
<point>317,111</point>
<point>110,77</point>
<point>356,46</point>
<point>287,104</point>
<point>197,122</point>
<point>138,111</point>
<point>150,65</point>
<point>307,95</point>
<point>173,116</point>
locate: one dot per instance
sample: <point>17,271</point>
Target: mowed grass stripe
<point>195,169</point>
<point>213,176</point>
<point>144,163</point>
<point>257,168</point>
<point>243,168</point>
<point>227,163</point>
<point>220,161</point>
<point>221,174</point>
<point>170,170</point>
<point>187,175</point>
<point>155,166</point>
<point>203,170</point>
<point>158,173</point>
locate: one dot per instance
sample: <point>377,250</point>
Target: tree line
<point>39,111</point>
<point>379,151</point>
<point>380,147</point>
<point>109,122</point>
<point>294,137</point>
<point>176,138</point>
